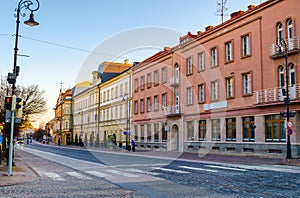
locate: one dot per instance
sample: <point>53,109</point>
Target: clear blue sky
<point>93,25</point>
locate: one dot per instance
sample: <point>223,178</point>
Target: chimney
<point>167,48</point>
<point>210,27</point>
<point>237,14</point>
<point>199,33</point>
<point>250,7</point>
<point>126,61</point>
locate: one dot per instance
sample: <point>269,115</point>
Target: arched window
<point>67,110</point>
<point>290,29</point>
<point>292,74</point>
<point>279,31</point>
<point>281,76</point>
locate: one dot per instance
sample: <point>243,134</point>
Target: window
<point>215,130</point>
<point>108,95</point>
<point>67,111</point>
<point>142,106</point>
<point>230,129</point>
<point>164,101</point>
<point>148,132</point>
<point>201,93</point>
<point>156,132</point>
<point>290,28</point>
<point>164,133</point>
<point>214,57</point>
<point>156,103</point>
<point>142,82</point>
<point>136,107</point>
<point>292,75</point>
<point>136,132</point>
<point>281,76</point>
<point>248,129</point>
<point>274,128</point>
<point>279,31</point>
<point>164,75</point>
<point>189,96</point>
<point>228,52</point>
<point>229,87</point>
<point>190,130</point>
<point>202,130</point>
<point>142,133</point>
<point>247,84</point>
<point>201,66</point>
<point>246,45</point>
<point>121,91</point>
<point>214,90</point>
<point>189,62</point>
<point>156,78</point>
<point>66,125</point>
<point>112,93</point>
<point>149,80</point>
<point>116,90</point>
<point>148,104</point>
<point>136,85</point>
<point>126,87</point>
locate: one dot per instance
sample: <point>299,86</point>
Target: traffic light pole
<point>10,156</point>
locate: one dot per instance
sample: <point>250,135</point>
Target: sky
<point>74,37</point>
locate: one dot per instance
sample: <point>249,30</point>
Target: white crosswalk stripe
<point>170,170</point>
<point>99,174</point>
<point>199,169</point>
<point>53,176</point>
<point>142,172</point>
<point>226,168</point>
<point>122,173</point>
<point>78,175</point>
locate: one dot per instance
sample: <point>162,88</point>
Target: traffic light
<point>8,103</point>
<point>19,107</point>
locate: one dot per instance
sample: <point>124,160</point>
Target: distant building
<point>63,121</point>
<point>91,112</point>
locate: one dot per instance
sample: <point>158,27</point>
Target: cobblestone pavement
<point>26,183</point>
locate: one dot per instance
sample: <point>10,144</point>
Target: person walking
<point>133,145</point>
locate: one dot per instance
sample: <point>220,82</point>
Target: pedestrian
<point>133,145</point>
<point>58,141</point>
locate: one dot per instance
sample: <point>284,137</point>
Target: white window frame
<point>164,100</point>
<point>247,84</point>
<point>246,45</point>
<point>164,75</point>
<point>229,87</point>
<point>214,90</point>
<point>228,51</point>
<point>201,62</point>
<point>148,104</point>
<point>214,57</point>
<point>189,95</point>
<point>201,93</point>
<point>189,62</point>
<point>156,104</point>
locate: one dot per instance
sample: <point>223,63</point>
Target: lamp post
<point>28,5</point>
<point>127,121</point>
<point>283,44</point>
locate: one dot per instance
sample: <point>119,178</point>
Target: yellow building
<point>63,127</point>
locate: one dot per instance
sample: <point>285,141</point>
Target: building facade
<point>222,90</point>
<point>99,106</point>
<point>63,121</point>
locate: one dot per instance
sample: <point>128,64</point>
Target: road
<point>84,173</point>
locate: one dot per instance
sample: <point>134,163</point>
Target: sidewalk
<point>20,173</point>
<point>23,173</point>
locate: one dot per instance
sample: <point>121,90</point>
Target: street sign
<point>289,124</point>
<point>126,133</point>
<point>290,131</point>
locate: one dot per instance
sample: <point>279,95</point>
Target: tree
<point>34,103</point>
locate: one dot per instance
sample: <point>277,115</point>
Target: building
<point>63,121</point>
<point>96,112</point>
<point>222,89</point>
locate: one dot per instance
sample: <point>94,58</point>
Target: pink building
<point>222,90</point>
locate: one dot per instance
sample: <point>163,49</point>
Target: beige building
<point>98,108</point>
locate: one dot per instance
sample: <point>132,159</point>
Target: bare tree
<point>34,103</point>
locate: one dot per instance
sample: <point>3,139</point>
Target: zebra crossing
<point>134,174</point>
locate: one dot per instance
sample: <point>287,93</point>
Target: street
<point>76,172</point>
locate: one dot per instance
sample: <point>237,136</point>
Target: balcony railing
<point>174,81</point>
<point>173,110</point>
<point>276,94</point>
<point>293,45</point>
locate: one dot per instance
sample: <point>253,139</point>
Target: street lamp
<point>282,44</point>
<point>127,130</point>
<point>11,78</point>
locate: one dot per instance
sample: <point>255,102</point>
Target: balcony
<point>276,95</point>
<point>174,81</point>
<point>173,111</point>
<point>293,46</point>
